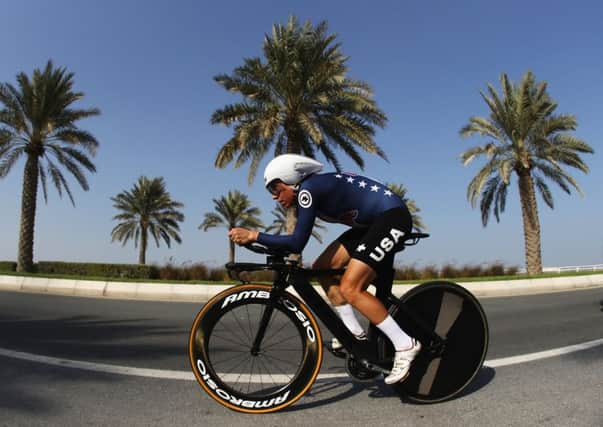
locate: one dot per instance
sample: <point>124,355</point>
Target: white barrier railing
<point>569,268</point>
<point>576,268</point>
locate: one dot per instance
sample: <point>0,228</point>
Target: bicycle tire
<point>213,341</point>
<point>456,315</point>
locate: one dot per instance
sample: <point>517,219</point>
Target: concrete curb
<point>203,292</point>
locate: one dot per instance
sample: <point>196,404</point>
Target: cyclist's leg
<point>375,251</point>
<point>354,282</point>
<point>371,252</point>
<point>353,287</point>
<point>334,257</point>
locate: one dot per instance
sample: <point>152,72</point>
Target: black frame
<point>368,352</point>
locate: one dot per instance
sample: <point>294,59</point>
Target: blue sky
<point>149,69</point>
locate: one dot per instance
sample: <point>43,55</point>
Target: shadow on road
<point>482,379</point>
<point>325,392</point>
<point>94,339</point>
<point>31,388</point>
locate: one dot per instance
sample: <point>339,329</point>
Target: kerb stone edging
<point>203,292</point>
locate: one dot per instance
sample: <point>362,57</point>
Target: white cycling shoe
<point>402,361</point>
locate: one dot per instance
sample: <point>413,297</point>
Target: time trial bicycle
<point>257,348</point>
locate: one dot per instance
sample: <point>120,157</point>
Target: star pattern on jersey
<point>361,248</point>
<point>363,184</point>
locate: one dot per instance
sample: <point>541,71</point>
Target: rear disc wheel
<point>452,312</point>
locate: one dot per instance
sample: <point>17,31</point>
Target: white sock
<point>346,313</point>
<point>396,335</point>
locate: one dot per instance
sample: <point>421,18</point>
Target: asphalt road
<point>563,390</point>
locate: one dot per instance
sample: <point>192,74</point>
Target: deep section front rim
<point>270,379</point>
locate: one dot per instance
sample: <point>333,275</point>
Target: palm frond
<point>297,98</point>
<point>232,210</point>
<point>147,208</point>
<point>527,137</point>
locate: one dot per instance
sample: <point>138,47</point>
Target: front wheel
<point>265,377</point>
<point>454,314</point>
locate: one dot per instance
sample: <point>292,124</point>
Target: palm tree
<point>279,225</point>
<point>400,190</point>
<point>234,210</point>
<point>298,99</point>
<point>527,138</point>
<point>37,121</point>
<point>147,208</point>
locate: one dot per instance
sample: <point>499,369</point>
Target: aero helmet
<point>290,168</point>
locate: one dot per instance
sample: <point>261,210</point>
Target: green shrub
<point>451,271</point>
<point>129,271</point>
<point>8,266</point>
<point>197,271</point>
<point>429,272</point>
<point>406,272</point>
<point>472,270</point>
<point>218,274</point>
<point>495,269</point>
<point>201,272</point>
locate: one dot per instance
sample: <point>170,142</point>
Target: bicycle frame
<point>367,352</point>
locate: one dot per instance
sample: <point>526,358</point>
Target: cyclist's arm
<point>295,242</point>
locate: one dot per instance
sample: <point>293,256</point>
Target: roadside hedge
<point>200,271</point>
<point>130,271</point>
<point>8,266</point>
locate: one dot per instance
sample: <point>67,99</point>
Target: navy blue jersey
<point>342,198</point>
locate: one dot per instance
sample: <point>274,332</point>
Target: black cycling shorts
<point>377,244</point>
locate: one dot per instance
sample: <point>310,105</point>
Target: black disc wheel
<point>250,371</point>
<point>442,371</point>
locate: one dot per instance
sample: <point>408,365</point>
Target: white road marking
<point>188,376</point>
<point>513,360</point>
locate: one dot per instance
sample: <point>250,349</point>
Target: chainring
<point>357,371</point>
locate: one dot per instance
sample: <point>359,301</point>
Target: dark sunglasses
<point>272,186</point>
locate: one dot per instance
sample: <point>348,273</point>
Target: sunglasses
<point>272,186</point>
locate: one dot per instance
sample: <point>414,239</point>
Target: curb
<point>203,292</point>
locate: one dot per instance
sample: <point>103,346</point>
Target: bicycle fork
<point>255,350</point>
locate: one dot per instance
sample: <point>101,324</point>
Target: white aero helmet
<point>290,168</point>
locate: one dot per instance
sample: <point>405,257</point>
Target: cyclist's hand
<point>242,236</point>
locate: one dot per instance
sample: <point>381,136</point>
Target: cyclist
<point>379,219</point>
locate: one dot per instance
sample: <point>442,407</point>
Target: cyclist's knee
<point>335,296</point>
<point>350,290</point>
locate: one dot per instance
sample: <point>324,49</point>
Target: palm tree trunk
<point>231,252</point>
<point>293,136</point>
<point>531,223</point>
<point>291,223</point>
<point>28,214</point>
<point>291,219</point>
<point>142,255</point>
